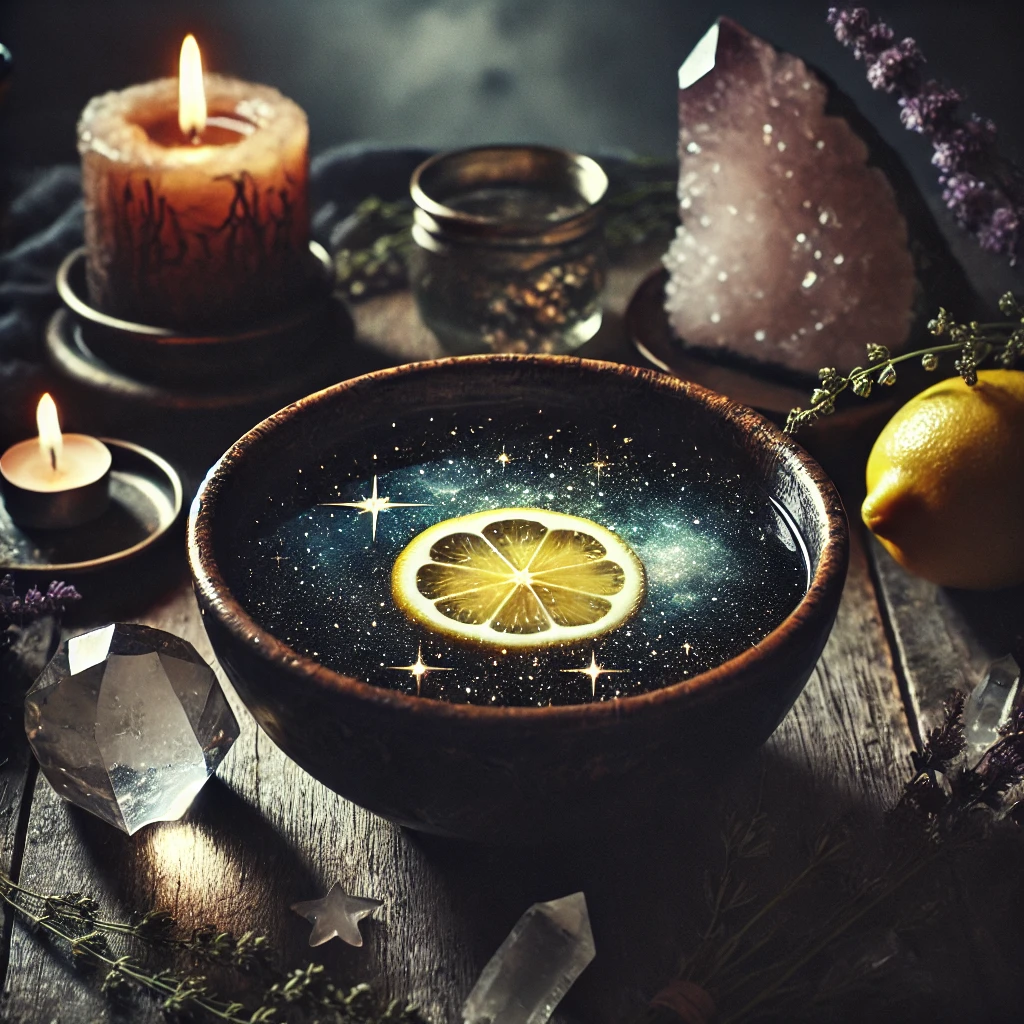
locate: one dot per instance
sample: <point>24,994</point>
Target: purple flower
<point>18,610</point>
<point>967,198</point>
<point>1001,233</point>
<point>895,69</point>
<point>848,23</point>
<point>853,27</point>
<point>949,155</point>
<point>1001,769</point>
<point>931,110</point>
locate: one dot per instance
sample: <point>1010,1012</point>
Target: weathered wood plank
<point>849,725</point>
<point>266,834</point>
<point>19,665</point>
<point>944,639</point>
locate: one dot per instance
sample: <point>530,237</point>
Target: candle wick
<point>53,459</point>
<point>193,135</point>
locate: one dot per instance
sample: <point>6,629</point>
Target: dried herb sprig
<point>17,610</point>
<point>300,994</point>
<point>753,961</point>
<point>377,240</point>
<point>974,343</point>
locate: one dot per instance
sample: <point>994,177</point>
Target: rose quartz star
<point>336,915</point>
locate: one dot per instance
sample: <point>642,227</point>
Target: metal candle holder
<point>55,510</point>
<point>190,396</point>
<point>217,362</point>
<point>146,498</point>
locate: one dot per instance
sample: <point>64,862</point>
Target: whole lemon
<point>946,483</point>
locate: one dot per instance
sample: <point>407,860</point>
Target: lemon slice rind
<point>604,583</point>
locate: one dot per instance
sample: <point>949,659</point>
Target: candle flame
<point>191,95</point>
<point>50,438</point>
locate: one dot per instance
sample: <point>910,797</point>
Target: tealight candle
<point>196,208</point>
<point>55,480</point>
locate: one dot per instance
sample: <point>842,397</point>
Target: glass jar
<point>509,253</point>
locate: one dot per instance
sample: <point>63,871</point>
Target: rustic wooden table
<point>264,834</point>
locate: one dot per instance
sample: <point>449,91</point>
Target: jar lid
<point>507,194</point>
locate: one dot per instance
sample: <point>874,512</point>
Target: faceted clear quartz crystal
<point>535,966</point>
<point>128,722</point>
<point>990,705</point>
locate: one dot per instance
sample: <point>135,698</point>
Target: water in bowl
<point>700,563</point>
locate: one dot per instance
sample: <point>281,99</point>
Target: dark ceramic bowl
<point>512,774</point>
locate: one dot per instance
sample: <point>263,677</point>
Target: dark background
<point>586,74</point>
<point>581,73</point>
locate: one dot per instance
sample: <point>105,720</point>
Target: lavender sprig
<point>17,610</point>
<point>983,191</point>
<point>760,962</point>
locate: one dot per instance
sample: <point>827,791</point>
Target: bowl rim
<point>826,581</point>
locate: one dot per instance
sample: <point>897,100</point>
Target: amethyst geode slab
<point>795,250</point>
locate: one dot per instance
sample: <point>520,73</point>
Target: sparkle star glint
<point>599,464</point>
<point>375,505</point>
<point>595,672</point>
<point>418,669</point>
<point>504,458</point>
<point>336,915</point>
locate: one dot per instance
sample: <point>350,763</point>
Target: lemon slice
<point>518,577</point>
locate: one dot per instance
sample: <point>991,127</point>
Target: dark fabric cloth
<point>44,223</point>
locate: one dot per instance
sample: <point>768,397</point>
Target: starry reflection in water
<point>723,566</point>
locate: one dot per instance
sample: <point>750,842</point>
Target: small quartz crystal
<point>128,722</point>
<point>989,706</point>
<point>535,966</point>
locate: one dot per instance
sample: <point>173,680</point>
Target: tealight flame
<point>50,438</point>
<point>191,95</point>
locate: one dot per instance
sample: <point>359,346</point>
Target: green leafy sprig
<point>302,994</point>
<point>376,259</point>
<point>974,344</point>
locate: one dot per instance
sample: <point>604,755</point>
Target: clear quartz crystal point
<point>128,722</point>
<point>535,966</point>
<point>990,705</point>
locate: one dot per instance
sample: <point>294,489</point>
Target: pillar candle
<point>195,229</point>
